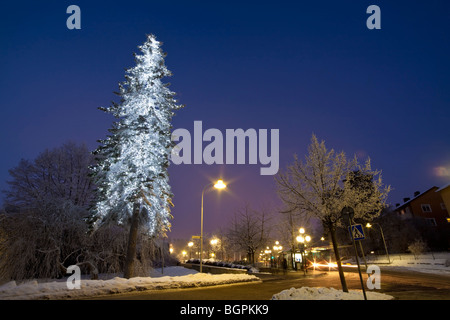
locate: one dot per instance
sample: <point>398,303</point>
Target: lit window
<point>426,208</point>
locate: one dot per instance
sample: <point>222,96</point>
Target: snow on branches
<point>133,160</point>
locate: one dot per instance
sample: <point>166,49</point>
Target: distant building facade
<point>429,210</point>
<point>445,195</point>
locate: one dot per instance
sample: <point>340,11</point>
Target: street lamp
<point>368,225</point>
<point>301,239</point>
<point>267,252</point>
<point>190,244</point>
<point>218,185</point>
<point>277,248</point>
<point>214,245</point>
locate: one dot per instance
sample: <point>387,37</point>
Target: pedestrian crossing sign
<point>357,232</point>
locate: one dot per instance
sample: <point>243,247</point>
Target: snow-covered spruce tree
<point>132,169</point>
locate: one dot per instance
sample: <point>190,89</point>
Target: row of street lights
<point>214,242</point>
<point>303,239</point>
<point>277,248</point>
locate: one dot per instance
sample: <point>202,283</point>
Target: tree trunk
<point>338,258</point>
<point>131,250</point>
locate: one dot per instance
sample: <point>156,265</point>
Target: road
<point>405,285</point>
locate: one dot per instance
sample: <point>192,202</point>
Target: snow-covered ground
<point>438,263</point>
<point>172,277</point>
<point>179,277</point>
<point>308,293</point>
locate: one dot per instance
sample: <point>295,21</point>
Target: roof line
<point>444,187</point>
<point>418,196</point>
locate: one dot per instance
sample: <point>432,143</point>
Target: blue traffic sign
<point>357,232</point>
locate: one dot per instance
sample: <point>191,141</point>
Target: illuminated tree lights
<point>131,173</point>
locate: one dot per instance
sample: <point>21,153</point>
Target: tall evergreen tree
<point>132,170</point>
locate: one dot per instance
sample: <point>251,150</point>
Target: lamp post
<point>218,185</point>
<point>214,246</point>
<point>277,248</point>
<point>190,244</point>
<point>347,213</point>
<point>267,252</point>
<point>301,239</point>
<point>368,225</point>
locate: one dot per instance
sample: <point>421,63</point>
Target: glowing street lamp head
<point>301,230</point>
<point>300,239</point>
<point>308,238</point>
<point>220,185</point>
<point>368,225</point>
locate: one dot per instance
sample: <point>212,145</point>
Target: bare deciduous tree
<point>55,176</point>
<point>38,244</point>
<point>249,230</point>
<point>44,226</point>
<point>325,183</point>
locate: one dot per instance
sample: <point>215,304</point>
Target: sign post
<point>357,232</point>
<point>348,213</point>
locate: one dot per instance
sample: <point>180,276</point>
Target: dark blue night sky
<point>301,67</point>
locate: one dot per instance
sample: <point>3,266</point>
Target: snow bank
<point>59,290</point>
<point>171,271</point>
<point>437,265</point>
<point>308,293</point>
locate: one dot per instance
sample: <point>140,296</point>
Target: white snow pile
<point>184,278</point>
<point>320,293</point>
<point>436,266</point>
<point>171,271</point>
<point>437,262</point>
